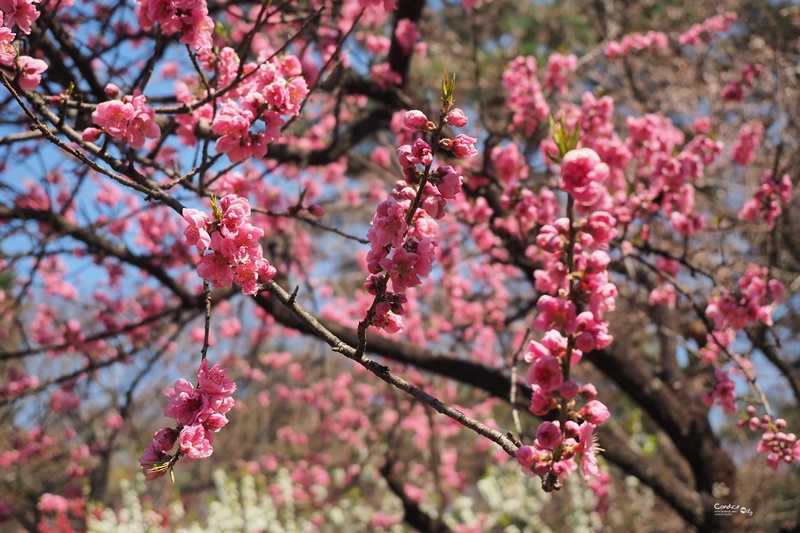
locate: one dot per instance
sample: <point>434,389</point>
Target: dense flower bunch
<point>571,313</point>
<point>235,253</point>
<point>199,411</point>
<point>403,246</point>
<point>129,119</point>
<point>250,116</point>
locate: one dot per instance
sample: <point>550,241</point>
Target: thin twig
<point>384,373</point>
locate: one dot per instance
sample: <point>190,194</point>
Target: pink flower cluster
<point>766,203</point>
<point>236,255</point>
<point>570,331</point>
<point>576,441</point>
<point>778,445</point>
<point>405,253</point>
<point>635,42</point>
<point>187,17</point>
<point>277,88</point>
<point>744,148</point>
<point>702,32</point>
<point>129,119</point>
<point>199,411</point>
<point>525,96</point>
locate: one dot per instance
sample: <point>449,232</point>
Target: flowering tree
<point>285,217</point>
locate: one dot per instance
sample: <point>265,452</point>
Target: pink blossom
<point>232,124</point>
<point>583,175</point>
<point>214,381</point>
<point>546,372</point>
<point>406,34</point>
<point>30,72</point>
<point>153,457</point>
<point>723,394</point>
<point>196,231</point>
<point>541,402</point>
<point>636,42</point>
<point>235,212</point>
<point>91,134</point>
<point>129,119</point>
<point>415,120</point>
<point>20,12</point>
<point>389,225</point>
<point>664,294</point>
<point>588,449</point>
<point>535,351</point>
<point>401,269</point>
<point>7,50</point>
<point>386,320</point>
<point>114,421</point>
<point>554,313</point>
<point>743,150</point>
<point>597,262</point>
<point>558,65</point>
<point>52,503</point>
<point>195,442</point>
<point>732,92</point>
<point>166,438</point>
<point>569,389</point>
<point>548,435</point>
<point>601,226</point>
<point>595,412</point>
<point>187,404</point>
<point>456,118</point>
<point>215,268</point>
<point>141,124</point>
<point>525,96</point>
<point>767,202</point>
<point>462,146</point>
<point>526,456</point>
<point>384,76</point>
<point>113,116</point>
<point>448,181</point>
<point>189,17</point>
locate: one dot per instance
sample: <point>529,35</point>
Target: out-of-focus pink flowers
<point>767,201</point>
<point>636,42</point>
